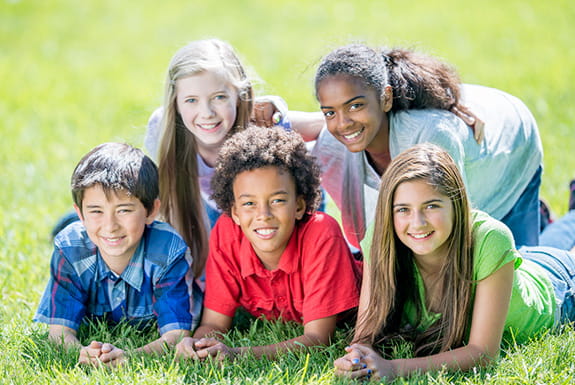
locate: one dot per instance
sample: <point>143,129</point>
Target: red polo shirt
<point>316,277</point>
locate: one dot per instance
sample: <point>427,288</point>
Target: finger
<point>362,373</point>
<point>106,348</point>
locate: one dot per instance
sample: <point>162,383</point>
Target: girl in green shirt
<point>448,278</point>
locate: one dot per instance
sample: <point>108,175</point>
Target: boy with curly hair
<point>271,253</point>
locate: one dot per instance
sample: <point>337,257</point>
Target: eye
<point>329,114</point>
<point>401,210</point>
<point>221,97</point>
<point>247,204</point>
<point>355,106</point>
<point>278,201</point>
<point>432,206</point>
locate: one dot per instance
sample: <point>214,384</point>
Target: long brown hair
<point>391,263</point>
<point>178,169</point>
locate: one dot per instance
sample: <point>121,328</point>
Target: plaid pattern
<point>156,284</point>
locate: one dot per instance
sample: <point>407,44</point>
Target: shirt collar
<point>250,263</point>
<point>133,274</point>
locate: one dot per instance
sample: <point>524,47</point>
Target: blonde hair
<point>178,169</point>
<point>392,264</point>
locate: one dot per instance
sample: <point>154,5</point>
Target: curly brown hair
<point>258,147</point>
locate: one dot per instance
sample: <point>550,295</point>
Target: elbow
<point>483,356</point>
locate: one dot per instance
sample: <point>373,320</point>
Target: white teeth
<point>208,126</point>
<point>265,231</point>
<point>420,236</point>
<point>355,134</point>
<point>112,239</point>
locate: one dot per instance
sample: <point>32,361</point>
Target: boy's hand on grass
<point>186,348</point>
<point>211,347</point>
<point>98,353</point>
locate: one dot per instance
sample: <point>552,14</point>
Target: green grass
<point>78,73</point>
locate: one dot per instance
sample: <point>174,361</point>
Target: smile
<point>421,236</point>
<point>354,135</point>
<point>208,126</point>
<point>266,232</point>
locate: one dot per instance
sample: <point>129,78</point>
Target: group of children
<point>399,143</point>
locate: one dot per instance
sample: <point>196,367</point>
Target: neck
<point>379,161</point>
<point>116,265</point>
<point>209,154</point>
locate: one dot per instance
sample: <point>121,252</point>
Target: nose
<point>264,212</point>
<point>110,222</point>
<point>206,109</point>
<point>343,121</point>
<point>418,219</point>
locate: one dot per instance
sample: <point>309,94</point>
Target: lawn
<point>78,73</point>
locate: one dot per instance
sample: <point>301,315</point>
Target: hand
<point>362,361</point>
<point>211,347</point>
<point>476,124</point>
<point>98,353</point>
<point>268,110</point>
<point>186,348</point>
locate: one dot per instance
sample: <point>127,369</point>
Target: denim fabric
<point>560,266</point>
<point>560,233</point>
<point>523,219</point>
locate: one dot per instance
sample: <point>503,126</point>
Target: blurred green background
<point>74,74</point>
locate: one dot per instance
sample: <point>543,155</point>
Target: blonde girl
<point>207,98</point>
<point>447,278</point>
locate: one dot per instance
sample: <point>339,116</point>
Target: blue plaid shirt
<point>157,283</point>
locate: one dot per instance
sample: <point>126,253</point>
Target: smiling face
<point>114,222</point>
<point>354,114</point>
<point>266,208</point>
<point>422,219</point>
<point>208,106</point>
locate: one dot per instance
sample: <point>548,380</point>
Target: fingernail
<point>369,372</point>
<point>355,361</point>
<point>363,366</point>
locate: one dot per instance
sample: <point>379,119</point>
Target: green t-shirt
<point>532,305</point>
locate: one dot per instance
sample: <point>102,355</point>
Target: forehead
<point>269,178</point>
<point>341,87</point>
<point>203,82</point>
<point>97,195</point>
<point>417,191</point>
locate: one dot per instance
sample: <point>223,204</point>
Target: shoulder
<point>74,243</point>
<point>162,243</point>
<point>493,244</point>
<point>320,224</point>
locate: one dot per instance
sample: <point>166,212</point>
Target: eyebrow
<point>425,203</point>
<point>347,102</point>
<point>279,192</point>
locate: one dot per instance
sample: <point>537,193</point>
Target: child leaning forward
<point>271,254</point>
<point>117,263</point>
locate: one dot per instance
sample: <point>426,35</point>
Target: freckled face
<point>208,106</point>
<point>354,114</point>
<point>266,208</point>
<point>422,219</point>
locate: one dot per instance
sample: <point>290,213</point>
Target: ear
<point>386,99</point>
<point>235,214</point>
<point>300,207</point>
<point>79,212</point>
<point>154,213</point>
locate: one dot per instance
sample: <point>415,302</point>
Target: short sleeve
<point>330,274</point>
<point>493,246</point>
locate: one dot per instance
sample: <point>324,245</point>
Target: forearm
<point>167,341</point>
<point>63,335</point>
<point>294,344</point>
<point>463,358</point>
<point>307,124</point>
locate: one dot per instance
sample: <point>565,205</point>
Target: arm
<point>364,296</point>
<point>316,333</point>
<point>489,313</point>
<point>63,335</point>
<point>307,124</point>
